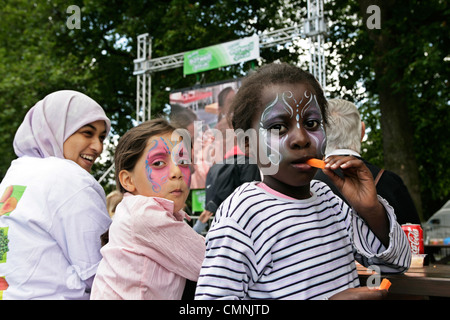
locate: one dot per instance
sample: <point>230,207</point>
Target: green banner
<point>221,55</point>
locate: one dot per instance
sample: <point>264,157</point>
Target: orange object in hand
<point>385,284</point>
<point>316,163</point>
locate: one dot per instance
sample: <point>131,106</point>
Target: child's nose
<point>299,139</point>
<point>175,171</point>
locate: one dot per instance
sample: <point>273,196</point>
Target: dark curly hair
<point>248,98</point>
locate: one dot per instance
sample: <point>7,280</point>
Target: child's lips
<point>176,192</point>
<point>301,164</point>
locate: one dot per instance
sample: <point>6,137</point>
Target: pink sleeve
<point>171,243</point>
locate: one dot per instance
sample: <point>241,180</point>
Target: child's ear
<point>126,181</point>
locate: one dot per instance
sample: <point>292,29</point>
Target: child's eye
<point>183,162</point>
<point>158,164</point>
<point>278,126</point>
<point>312,124</point>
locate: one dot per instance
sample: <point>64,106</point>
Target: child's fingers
<point>343,162</point>
<point>335,178</point>
<point>352,170</point>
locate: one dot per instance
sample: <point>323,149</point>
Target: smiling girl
<point>80,149</point>
<point>151,250</point>
<point>53,211</point>
<point>290,237</point>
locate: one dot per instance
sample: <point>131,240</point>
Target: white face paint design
<point>307,115</point>
<point>272,153</point>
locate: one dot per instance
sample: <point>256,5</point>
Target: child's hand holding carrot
<point>358,187</point>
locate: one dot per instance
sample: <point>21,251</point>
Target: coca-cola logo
<point>414,240</point>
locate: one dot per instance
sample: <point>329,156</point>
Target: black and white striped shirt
<point>262,246</point>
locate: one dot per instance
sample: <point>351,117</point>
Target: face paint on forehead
<point>308,97</point>
<point>159,146</point>
<point>274,106</point>
<point>291,106</point>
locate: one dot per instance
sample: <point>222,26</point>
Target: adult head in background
<point>202,143</point>
<point>345,131</point>
<point>227,139</point>
<point>53,211</point>
<point>183,118</point>
<point>224,100</point>
<point>223,178</point>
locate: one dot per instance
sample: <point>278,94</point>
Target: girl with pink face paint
<point>289,236</point>
<point>151,250</point>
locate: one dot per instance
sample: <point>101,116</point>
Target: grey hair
<point>344,126</point>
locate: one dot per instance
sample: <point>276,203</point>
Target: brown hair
<point>248,98</point>
<point>181,117</point>
<point>222,95</point>
<point>133,143</point>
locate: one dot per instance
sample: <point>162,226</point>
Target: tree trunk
<point>398,146</point>
<point>397,133</point>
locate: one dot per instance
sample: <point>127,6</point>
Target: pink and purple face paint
<point>159,156</point>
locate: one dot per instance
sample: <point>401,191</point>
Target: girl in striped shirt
<point>290,237</point>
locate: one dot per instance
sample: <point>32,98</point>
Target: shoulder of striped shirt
<point>248,195</point>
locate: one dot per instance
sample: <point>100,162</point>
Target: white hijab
<point>49,123</point>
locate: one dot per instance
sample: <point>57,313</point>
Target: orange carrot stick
<point>316,163</point>
<point>385,284</point>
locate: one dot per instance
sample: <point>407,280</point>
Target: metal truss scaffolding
<point>314,29</point>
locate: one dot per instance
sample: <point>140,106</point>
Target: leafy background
<point>397,75</point>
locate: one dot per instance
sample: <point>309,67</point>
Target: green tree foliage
<point>404,69</point>
<point>40,54</point>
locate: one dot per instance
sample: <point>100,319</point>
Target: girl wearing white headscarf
<point>52,210</point>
